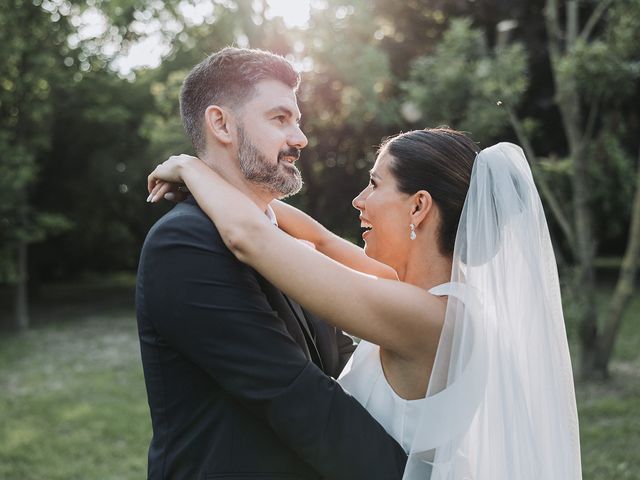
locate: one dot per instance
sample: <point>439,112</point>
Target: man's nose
<point>298,139</point>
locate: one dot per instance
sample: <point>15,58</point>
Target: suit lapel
<point>311,340</point>
<point>293,317</point>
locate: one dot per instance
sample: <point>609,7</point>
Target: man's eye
<point>281,118</point>
<point>373,184</point>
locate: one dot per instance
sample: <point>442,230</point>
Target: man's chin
<point>283,190</point>
<point>292,181</point>
<point>280,195</point>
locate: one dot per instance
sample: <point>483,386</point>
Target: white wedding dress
<point>500,404</point>
<point>363,377</point>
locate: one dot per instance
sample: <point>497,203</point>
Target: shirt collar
<point>271,215</point>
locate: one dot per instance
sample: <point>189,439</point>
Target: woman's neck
<point>426,269</point>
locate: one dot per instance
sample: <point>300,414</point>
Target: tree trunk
<point>585,243</point>
<point>596,345</point>
<point>624,286</point>
<point>569,102</point>
<point>22,309</point>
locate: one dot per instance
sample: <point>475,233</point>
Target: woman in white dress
<point>464,357</point>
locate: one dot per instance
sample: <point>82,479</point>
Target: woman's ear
<point>421,207</point>
<point>219,122</point>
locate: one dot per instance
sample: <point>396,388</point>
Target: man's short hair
<point>228,78</point>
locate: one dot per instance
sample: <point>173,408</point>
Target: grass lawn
<point>73,404</point>
<point>72,401</point>
<point>610,411</point>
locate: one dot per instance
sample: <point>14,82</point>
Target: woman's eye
<point>373,184</point>
<point>281,118</point>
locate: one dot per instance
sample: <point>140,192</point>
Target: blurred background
<point>89,105</point>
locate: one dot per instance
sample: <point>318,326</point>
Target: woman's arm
<point>300,225</point>
<point>397,316</point>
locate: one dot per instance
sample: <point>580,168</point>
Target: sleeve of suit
<point>214,312</point>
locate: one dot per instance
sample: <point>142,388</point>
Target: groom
<point>237,374</point>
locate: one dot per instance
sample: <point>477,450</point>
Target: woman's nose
<point>358,202</point>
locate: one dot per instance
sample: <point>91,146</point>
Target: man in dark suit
<point>237,374</point>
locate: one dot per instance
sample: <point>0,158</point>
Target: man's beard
<point>281,179</point>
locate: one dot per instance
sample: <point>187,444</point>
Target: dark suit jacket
<point>228,361</point>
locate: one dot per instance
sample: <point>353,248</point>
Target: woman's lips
<point>366,225</point>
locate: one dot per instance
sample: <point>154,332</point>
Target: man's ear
<point>421,206</point>
<point>219,122</point>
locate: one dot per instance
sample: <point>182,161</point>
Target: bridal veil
<point>501,402</point>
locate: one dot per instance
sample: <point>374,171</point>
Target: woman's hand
<point>166,180</point>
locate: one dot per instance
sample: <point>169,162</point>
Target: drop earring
<point>412,234</point>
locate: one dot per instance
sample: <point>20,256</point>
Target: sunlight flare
<point>294,13</point>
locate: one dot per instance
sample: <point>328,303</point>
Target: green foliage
<point>17,172</point>
<point>31,46</point>
<point>606,67</point>
<point>20,222</point>
<point>349,102</point>
<point>599,71</point>
<point>98,167</point>
<point>351,79</point>
<point>463,82</point>
<point>163,127</point>
<point>89,138</point>
<point>611,167</point>
<point>621,30</point>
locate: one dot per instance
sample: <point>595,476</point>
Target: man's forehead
<point>273,94</point>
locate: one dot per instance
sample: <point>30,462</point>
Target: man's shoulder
<point>185,221</point>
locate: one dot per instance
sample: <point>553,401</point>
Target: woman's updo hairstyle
<point>438,160</point>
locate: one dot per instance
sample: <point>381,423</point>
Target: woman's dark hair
<point>438,160</point>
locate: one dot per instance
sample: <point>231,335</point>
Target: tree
<point>592,71</point>
<point>44,63</point>
<point>594,67</point>
<point>30,43</point>
<point>348,105</point>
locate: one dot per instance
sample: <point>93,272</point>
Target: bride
<point>464,357</point>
